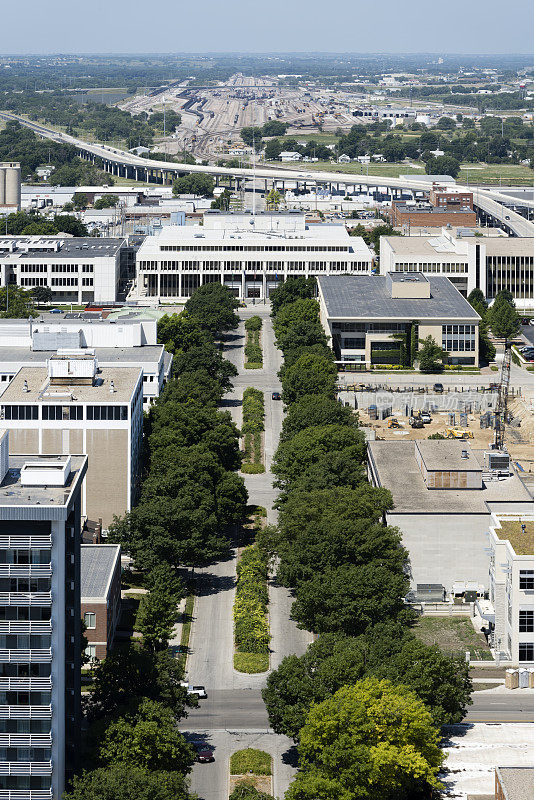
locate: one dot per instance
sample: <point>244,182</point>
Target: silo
<point>12,184</point>
<point>2,185</point>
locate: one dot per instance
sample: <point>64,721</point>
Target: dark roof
<point>97,566</point>
<point>367,297</point>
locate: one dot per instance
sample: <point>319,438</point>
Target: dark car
<point>56,311</point>
<point>205,755</point>
<point>438,388</point>
<point>276,396</point>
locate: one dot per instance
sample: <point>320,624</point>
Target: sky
<point>355,26</point>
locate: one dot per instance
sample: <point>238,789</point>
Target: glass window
<point>526,579</point>
<point>90,619</point>
<point>526,651</point>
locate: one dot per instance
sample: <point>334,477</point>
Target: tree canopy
<point>214,306</point>
<point>502,317</point>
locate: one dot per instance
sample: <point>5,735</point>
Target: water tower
<point>10,184</point>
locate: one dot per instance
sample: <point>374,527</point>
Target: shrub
<point>251,630</point>
<point>250,760</point>
<point>253,324</point>
<point>251,663</point>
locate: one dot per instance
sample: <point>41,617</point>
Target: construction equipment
<point>458,433</point>
<point>393,422</point>
<point>416,420</point>
<point>502,398</point>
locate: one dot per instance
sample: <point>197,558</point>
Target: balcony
<point>25,740</point>
<point>25,684</point>
<point>26,627</point>
<point>26,794</point>
<point>26,599</point>
<point>25,712</point>
<point>43,656</point>
<point>25,768</point>
<point>25,542</point>
<point>25,570</point>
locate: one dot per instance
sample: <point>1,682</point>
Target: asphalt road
<point>490,706</point>
<point>234,715</point>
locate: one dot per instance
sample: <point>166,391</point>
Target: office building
<point>125,341</point>
<point>488,263</point>
<point>511,586</point>
<point>410,213</point>
<point>100,596</point>
<point>362,313</point>
<point>75,406</point>
<point>450,198</point>
<point>76,270</point>
<point>444,494</point>
<point>40,630</point>
<point>250,254</point>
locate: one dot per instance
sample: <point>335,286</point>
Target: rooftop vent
<point>112,387</point>
<point>465,454</point>
<point>25,387</point>
<point>46,473</point>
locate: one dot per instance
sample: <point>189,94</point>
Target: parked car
<point>425,416</point>
<point>205,754</point>
<point>438,388</point>
<point>56,311</point>
<point>276,396</point>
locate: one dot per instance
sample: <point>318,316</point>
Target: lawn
<point>522,542</point>
<point>495,173</point>
<point>256,761</point>
<point>382,170</point>
<point>453,635</point>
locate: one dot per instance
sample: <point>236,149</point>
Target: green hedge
<point>253,351</point>
<point>252,429</point>
<point>253,324</point>
<point>251,629</point>
<point>256,761</point>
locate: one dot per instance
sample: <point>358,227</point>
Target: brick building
<point>100,595</point>
<point>451,199</point>
<point>424,215</point>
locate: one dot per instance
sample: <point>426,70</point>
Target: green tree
<point>274,198</point>
<point>42,294</point>
<point>431,356</point>
<point>66,223</point>
<point>213,305</point>
<point>310,374</point>
<point>290,290</point>
<point>502,317</point>
<point>209,360</point>
<point>294,456</point>
<point>315,410</point>
<point>80,200</point>
<point>155,618</point>
<point>16,303</point>
<point>478,301</point>
<point>195,183</point>
<point>300,311</point>
<point>147,739</point>
<point>443,165</point>
<point>107,201</point>
<point>125,782</point>
<point>371,740</point>
<point>180,332</point>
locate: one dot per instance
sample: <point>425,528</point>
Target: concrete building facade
<point>76,270</point>
<point>40,631</point>
<point>74,406</point>
<point>362,315</point>
<point>250,254</point>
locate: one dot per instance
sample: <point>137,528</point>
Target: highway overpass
<point>493,205</point>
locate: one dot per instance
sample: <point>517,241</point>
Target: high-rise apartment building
<point>40,625</point>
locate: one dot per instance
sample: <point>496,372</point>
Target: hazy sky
<point>172,26</point>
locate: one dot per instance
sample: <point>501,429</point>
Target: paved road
<point>234,702</point>
<point>495,706</point>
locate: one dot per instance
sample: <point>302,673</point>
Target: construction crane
<point>502,398</point>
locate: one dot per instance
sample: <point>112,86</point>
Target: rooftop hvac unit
<point>498,460</point>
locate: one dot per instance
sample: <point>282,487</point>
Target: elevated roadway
<point>492,203</point>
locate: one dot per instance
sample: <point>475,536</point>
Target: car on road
<point>438,388</point>
<point>276,396</point>
<point>55,311</point>
<point>204,754</point>
<point>197,691</point>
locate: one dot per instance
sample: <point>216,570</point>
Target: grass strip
<point>258,762</point>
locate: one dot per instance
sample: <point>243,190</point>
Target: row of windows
<point>20,412</point>
<point>458,345</point>
<point>177,266</point>
<point>31,282</point>
<point>23,641</point>
<point>25,725</point>
<point>458,329</point>
<point>33,670</point>
<point>432,267</point>
<point>64,281</point>
<point>56,267</point>
<point>24,614</point>
<point>25,556</point>
<point>107,412</point>
<point>254,248</point>
<point>62,412</point>
<point>25,754</point>
<point>24,782</point>
<point>24,585</point>
<point>354,344</point>
<point>57,412</point>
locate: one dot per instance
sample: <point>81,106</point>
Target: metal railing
<point>25,739</point>
<point>25,768</point>
<point>24,542</point>
<point>25,598</point>
<point>26,794</point>
<point>25,684</point>
<point>26,626</point>
<point>25,570</point>
<point>42,656</point>
<point>25,712</point>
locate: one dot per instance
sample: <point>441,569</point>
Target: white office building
<point>75,406</point>
<point>40,631</point>
<point>76,270</point>
<point>489,263</point>
<point>511,583</point>
<point>125,341</point>
<point>250,254</point>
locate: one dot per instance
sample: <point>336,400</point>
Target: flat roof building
<point>100,596</point>
<point>362,313</point>
<point>75,406</point>
<point>76,270</point>
<point>444,495</point>
<point>489,263</point>
<point>408,214</point>
<point>514,783</point>
<point>40,631</point>
<point>250,254</point>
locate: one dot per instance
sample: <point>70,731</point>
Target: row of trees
<point>342,700</point>
<point>189,497</point>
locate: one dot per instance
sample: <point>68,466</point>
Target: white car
<point>198,691</point>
